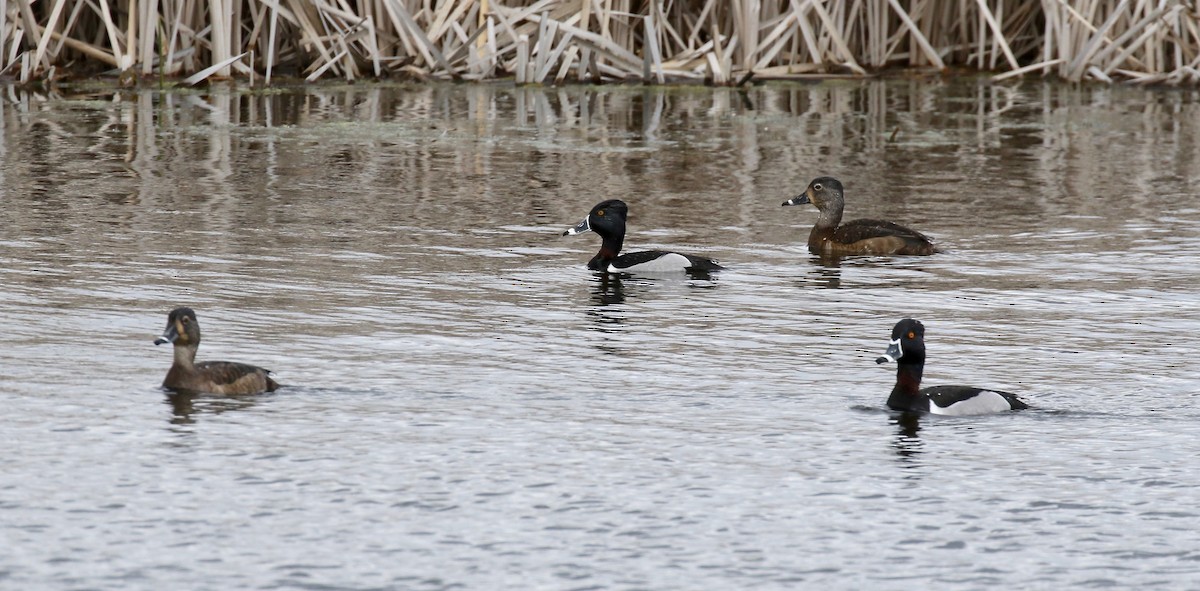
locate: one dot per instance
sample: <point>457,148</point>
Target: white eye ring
<point>817,187</point>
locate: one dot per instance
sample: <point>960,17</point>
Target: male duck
<point>870,237</point>
<point>907,349</point>
<point>214,377</point>
<point>608,220</point>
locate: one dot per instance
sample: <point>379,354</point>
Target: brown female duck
<point>214,377</point>
<point>830,237</point>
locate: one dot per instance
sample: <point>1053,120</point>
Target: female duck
<point>608,220</point>
<point>870,237</point>
<point>214,377</point>
<point>907,349</point>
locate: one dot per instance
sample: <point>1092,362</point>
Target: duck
<point>607,219</point>
<point>907,350</point>
<point>830,237</point>
<point>212,377</point>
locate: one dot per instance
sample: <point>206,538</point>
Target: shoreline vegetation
<point>719,42</point>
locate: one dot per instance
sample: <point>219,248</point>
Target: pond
<point>467,406</point>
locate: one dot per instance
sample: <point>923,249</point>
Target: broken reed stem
<point>535,41</point>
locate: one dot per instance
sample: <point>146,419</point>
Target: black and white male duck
<point>213,377</point>
<point>907,349</point>
<point>608,220</point>
<point>830,237</point>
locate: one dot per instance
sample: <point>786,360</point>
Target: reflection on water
<point>608,290</point>
<point>185,404</point>
<point>607,315</point>
<point>901,145</point>
<point>907,442</point>
<point>827,272</point>
<point>470,407</point>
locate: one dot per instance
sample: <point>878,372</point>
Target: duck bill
<point>168,336</point>
<point>800,199</point>
<point>892,354</point>
<point>579,228</point>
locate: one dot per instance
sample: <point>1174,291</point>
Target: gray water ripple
<point>466,406</point>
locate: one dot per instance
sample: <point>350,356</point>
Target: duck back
<point>868,236</point>
<point>649,261</point>
<point>221,377</point>
<point>968,400</point>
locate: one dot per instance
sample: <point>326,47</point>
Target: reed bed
<point>721,42</point>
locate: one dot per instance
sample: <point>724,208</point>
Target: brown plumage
<point>830,237</point>
<point>214,377</point>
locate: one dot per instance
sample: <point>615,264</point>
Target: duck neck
<point>827,223</point>
<point>609,248</point>
<point>906,394</point>
<point>185,356</point>
<point>830,216</point>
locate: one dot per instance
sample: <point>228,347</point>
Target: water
<point>468,407</point>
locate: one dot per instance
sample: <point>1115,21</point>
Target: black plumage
<point>907,349</point>
<point>608,219</point>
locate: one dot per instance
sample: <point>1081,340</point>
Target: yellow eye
<point>600,212</point>
<point>912,335</point>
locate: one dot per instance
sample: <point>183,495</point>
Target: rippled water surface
<point>468,407</point>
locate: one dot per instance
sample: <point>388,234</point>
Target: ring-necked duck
<point>608,220</point>
<point>858,236</point>
<point>214,377</point>
<point>907,349</point>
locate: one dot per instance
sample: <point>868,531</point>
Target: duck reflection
<point>701,278</point>
<point>610,292</point>
<point>828,272</point>
<point>607,313</point>
<point>825,273</point>
<point>608,289</point>
<point>907,443</point>
<point>186,406</point>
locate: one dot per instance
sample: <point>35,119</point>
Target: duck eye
<point>817,187</point>
<point>912,335</point>
<point>600,212</point>
<point>185,320</point>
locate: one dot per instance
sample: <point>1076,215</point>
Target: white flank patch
<point>667,263</point>
<point>985,402</point>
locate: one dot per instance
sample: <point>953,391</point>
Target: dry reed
<point>552,41</point>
